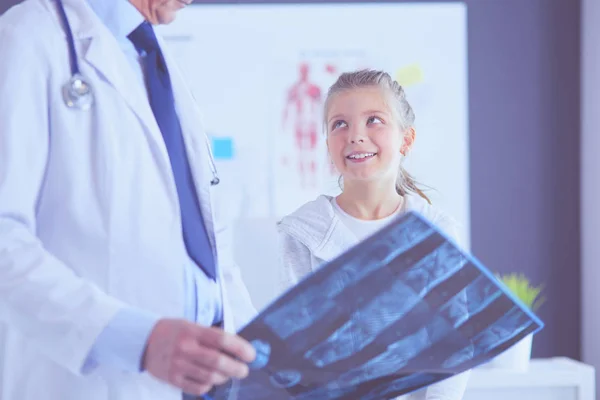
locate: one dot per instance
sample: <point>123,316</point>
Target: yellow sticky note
<point>409,75</point>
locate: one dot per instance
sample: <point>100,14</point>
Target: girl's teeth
<point>362,155</point>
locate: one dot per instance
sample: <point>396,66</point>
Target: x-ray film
<point>401,310</point>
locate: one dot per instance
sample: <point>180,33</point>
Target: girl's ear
<point>408,140</point>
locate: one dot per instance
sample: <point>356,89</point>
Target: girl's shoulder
<point>310,221</point>
<point>449,225</point>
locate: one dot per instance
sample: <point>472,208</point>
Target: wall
<point>524,152</point>
<point>524,121</point>
<point>590,193</point>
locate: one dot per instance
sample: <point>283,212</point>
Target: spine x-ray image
<point>401,310</point>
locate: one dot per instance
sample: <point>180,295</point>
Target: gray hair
<point>405,117</point>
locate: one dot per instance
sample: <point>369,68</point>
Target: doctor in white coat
<point>112,285</point>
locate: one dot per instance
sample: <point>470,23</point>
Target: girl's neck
<point>369,200</point>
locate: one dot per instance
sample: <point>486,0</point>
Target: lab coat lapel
<point>99,49</point>
<point>103,53</point>
<point>117,71</point>
<point>196,141</point>
<point>200,159</point>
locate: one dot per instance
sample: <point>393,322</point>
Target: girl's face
<point>364,138</point>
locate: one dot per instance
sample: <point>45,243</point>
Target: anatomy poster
<point>260,73</point>
<point>303,166</point>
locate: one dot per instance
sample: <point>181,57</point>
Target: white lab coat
<point>89,218</point>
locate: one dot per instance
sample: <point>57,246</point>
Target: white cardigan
<point>314,234</point>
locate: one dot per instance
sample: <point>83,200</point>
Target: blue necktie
<point>163,106</point>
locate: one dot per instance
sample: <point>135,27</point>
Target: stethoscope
<point>78,93</point>
<point>213,168</point>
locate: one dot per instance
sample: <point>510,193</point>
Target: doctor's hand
<point>195,358</point>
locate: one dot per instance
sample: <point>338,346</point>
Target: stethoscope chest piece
<point>77,93</point>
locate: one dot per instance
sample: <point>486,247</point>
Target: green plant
<point>522,288</point>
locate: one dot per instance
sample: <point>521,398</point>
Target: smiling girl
<point>370,130</point>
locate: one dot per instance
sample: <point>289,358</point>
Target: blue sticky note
<point>222,148</point>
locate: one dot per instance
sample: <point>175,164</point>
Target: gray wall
<point>524,152</point>
<point>524,137</point>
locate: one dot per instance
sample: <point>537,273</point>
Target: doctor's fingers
<point>234,345</point>
<point>190,373</point>
<point>193,388</point>
<point>216,361</point>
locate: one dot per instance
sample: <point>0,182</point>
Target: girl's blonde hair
<point>403,111</point>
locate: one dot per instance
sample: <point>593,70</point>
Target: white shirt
<point>360,227</point>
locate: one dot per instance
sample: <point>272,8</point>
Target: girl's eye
<point>337,124</point>
<point>374,119</point>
